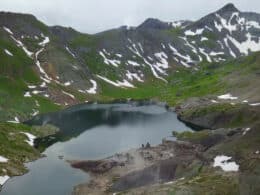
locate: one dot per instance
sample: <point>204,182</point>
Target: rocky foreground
<point>225,160</point>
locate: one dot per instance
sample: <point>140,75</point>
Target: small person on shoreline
<point>148,145</point>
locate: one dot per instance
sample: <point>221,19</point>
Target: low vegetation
<point>14,146</point>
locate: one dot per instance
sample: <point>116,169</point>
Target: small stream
<point>90,131</point>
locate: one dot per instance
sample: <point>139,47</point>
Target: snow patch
<point>163,46</point>
<point>108,61</point>
<point>134,49</point>
<point>68,83</point>
<point>153,71</point>
<point>227,24</point>
<point>141,47</point>
<point>68,94</point>
<point>224,162</point>
<point>194,50</point>
<point>246,130</point>
<point>132,76</point>
<point>252,24</point>
<point>119,55</point>
<point>27,94</point>
<point>204,39</point>
<point>255,104</point>
<point>3,159</point>
<point>32,86</point>
<point>216,53</point>
<point>230,50</point>
<point>176,24</point>
<point>247,45</point>
<point>8,30</point>
<point>162,57</point>
<point>133,63</point>
<point>191,33</point>
<point>227,96</point>
<point>221,44</point>
<point>45,77</point>
<point>45,41</point>
<point>172,182</point>
<point>93,89</point>
<point>3,179</point>
<point>187,58</point>
<point>70,52</point>
<point>43,84</point>
<point>20,44</point>
<point>8,52</point>
<point>122,84</point>
<point>219,27</point>
<point>30,137</point>
<point>75,67</point>
<point>35,92</point>
<point>205,54</point>
<point>16,120</point>
<point>35,112</point>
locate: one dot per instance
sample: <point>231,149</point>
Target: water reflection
<point>89,132</point>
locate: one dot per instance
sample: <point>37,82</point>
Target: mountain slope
<point>64,66</point>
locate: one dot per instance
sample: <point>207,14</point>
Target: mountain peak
<point>154,23</point>
<point>230,7</point>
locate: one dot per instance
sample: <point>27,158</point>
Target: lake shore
<point>24,150</point>
<point>33,153</point>
<point>186,164</point>
<point>138,122</point>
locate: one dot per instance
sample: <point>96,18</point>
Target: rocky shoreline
<point>137,167</point>
<point>26,152</point>
<point>186,165</point>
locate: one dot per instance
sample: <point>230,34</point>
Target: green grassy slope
<point>210,79</point>
<point>17,72</point>
<point>15,147</point>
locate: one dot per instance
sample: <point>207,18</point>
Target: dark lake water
<point>90,132</point>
